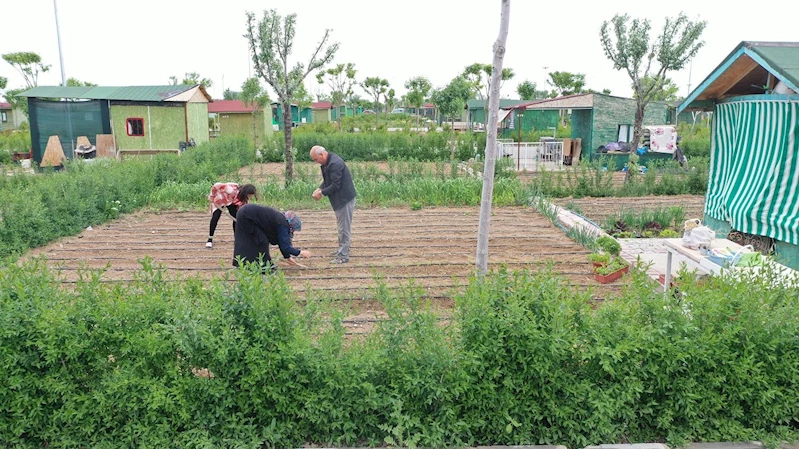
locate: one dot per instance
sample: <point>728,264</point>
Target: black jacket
<point>337,182</point>
<point>256,228</point>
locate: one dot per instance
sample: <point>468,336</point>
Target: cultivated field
<point>433,248</point>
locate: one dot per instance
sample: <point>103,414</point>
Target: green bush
<point>39,209</point>
<point>379,146</point>
<point>525,360</point>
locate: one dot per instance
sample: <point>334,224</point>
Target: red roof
<point>5,105</point>
<point>321,105</point>
<point>229,106</point>
<point>429,106</point>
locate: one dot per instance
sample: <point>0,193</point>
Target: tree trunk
<point>287,130</point>
<point>254,129</point>
<point>639,120</point>
<point>491,142</point>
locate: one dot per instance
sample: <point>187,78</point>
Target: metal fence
<point>533,156</point>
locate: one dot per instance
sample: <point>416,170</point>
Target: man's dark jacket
<point>256,228</point>
<point>337,181</point>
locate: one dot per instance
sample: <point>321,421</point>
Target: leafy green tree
<point>418,90</point>
<point>3,82</point>
<point>566,83</point>
<point>629,45</point>
<point>74,82</point>
<point>479,76</point>
<point>28,64</point>
<point>390,99</point>
<point>230,94</point>
<point>375,87</point>
<point>271,41</point>
<point>451,100</point>
<point>192,78</point>
<point>666,92</point>
<point>340,79</point>
<point>528,90</point>
<point>255,96</point>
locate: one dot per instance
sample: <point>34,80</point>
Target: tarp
<point>754,168</point>
<point>68,120</point>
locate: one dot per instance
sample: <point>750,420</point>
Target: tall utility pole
<point>60,53</point>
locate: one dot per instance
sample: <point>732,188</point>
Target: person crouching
<point>259,226</point>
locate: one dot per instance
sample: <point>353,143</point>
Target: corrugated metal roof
<point>5,105</point>
<point>503,103</point>
<point>783,57</point>
<point>229,106</point>
<point>123,93</point>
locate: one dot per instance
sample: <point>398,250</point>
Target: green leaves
<point>523,358</point>
<point>40,209</point>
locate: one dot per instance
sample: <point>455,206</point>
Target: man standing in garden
<point>336,185</point>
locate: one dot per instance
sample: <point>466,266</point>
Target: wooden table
<point>786,275</point>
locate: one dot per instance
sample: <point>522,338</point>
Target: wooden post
<point>185,120</point>
<point>519,140</point>
<point>491,142</point>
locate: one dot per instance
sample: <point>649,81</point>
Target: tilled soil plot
<point>598,209</point>
<point>434,248</point>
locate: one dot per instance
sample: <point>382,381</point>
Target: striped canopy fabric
<point>754,168</point>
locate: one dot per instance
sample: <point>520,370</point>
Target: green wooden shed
<point>753,184</point>
<point>599,119</point>
<point>138,117</point>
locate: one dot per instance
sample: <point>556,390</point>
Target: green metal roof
<point>503,103</point>
<point>781,59</point>
<point>125,93</point>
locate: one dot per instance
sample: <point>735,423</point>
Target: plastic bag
<point>698,237</point>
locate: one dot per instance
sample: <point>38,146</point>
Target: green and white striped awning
<point>754,168</point>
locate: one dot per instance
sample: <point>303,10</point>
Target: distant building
<point>138,118</point>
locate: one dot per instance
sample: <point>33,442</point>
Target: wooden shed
<point>599,119</point>
<point>234,118</point>
<point>753,184</point>
<point>137,118</point>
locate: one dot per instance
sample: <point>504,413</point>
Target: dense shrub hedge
<point>380,146</point>
<point>525,360</point>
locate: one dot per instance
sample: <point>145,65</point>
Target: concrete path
<point>653,253</point>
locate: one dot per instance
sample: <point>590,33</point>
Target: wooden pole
<point>491,141</point>
<point>519,141</point>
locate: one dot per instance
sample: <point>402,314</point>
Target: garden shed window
<point>625,133</point>
<point>135,126</point>
<point>3,117</point>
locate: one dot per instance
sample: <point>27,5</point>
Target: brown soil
<point>433,248</point>
<point>598,209</point>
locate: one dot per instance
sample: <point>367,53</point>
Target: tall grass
<point>39,209</point>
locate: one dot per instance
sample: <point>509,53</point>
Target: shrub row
<point>379,146</point>
<point>39,209</point>
<point>525,360</point>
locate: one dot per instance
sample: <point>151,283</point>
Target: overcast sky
<point>145,42</point>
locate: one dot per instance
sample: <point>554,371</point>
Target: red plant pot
<point>608,278</point>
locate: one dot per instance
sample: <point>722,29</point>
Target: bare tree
<point>271,41</point>
<point>491,141</point>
